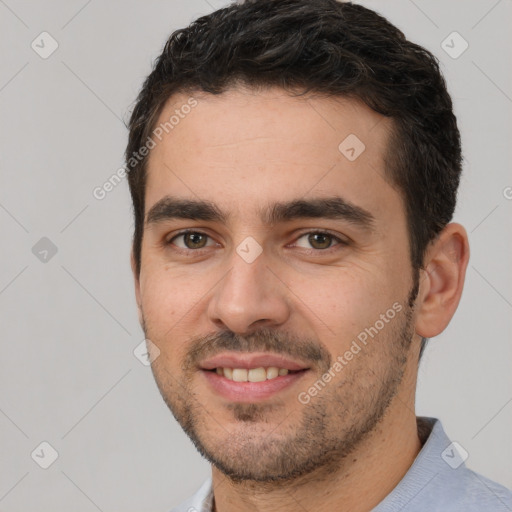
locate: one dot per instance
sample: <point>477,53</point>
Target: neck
<point>359,482</point>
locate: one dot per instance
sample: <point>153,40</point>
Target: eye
<point>191,240</point>
<point>320,240</point>
<point>194,241</point>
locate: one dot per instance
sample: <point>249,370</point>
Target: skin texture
<point>306,298</point>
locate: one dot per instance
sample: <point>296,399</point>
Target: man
<point>293,166</point>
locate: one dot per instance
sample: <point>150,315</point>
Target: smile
<point>248,385</point>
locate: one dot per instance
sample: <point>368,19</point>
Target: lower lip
<point>250,391</point>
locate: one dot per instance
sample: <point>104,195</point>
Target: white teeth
<point>272,372</point>
<point>239,374</point>
<point>253,375</point>
<point>257,375</point>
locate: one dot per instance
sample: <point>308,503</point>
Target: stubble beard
<point>327,429</point>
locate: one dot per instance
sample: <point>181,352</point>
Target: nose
<point>249,297</point>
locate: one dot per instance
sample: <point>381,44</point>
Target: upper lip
<point>251,360</point>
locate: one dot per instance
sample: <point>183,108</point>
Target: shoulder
<point>471,491</point>
<point>439,480</point>
<point>456,490</point>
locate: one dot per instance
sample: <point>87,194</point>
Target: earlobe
<point>446,261</point>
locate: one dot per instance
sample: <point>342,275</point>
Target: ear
<point>136,279</point>
<point>442,280</point>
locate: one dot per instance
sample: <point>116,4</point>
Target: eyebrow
<point>333,207</point>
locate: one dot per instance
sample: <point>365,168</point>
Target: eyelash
<point>341,243</point>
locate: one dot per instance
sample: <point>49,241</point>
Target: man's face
<point>309,286</point>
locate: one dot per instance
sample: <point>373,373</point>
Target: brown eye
<point>190,240</point>
<point>194,240</point>
<point>319,241</point>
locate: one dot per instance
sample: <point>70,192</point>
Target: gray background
<point>68,375</point>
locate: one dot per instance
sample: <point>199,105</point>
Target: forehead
<point>244,149</point>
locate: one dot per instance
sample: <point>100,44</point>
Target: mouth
<point>260,374</point>
<point>251,376</point>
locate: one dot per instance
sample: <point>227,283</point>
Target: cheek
<point>166,298</point>
<point>345,301</point>
<point>167,305</point>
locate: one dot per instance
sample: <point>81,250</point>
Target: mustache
<point>264,340</point>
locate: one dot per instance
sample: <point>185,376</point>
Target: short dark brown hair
<point>328,47</point>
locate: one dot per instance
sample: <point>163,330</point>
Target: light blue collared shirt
<point>437,481</point>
